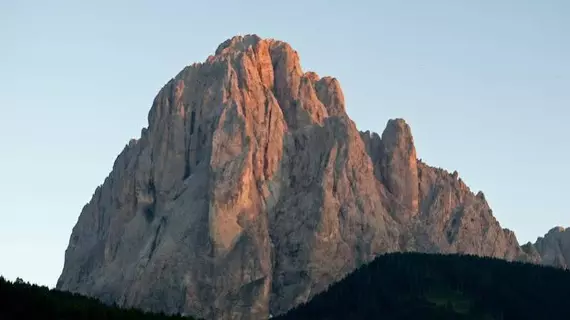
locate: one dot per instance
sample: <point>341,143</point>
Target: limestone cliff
<point>251,190</point>
<point>553,248</point>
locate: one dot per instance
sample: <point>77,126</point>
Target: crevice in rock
<point>150,209</point>
<point>155,239</point>
<point>268,113</point>
<point>192,121</point>
<point>199,145</point>
<point>188,142</point>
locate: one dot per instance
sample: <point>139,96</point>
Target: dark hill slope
<point>433,286</point>
<point>19,300</point>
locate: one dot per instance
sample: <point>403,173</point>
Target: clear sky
<point>484,84</point>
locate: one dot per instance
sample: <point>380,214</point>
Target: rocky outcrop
<point>251,190</point>
<point>553,248</point>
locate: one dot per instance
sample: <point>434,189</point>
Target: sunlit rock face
<point>251,190</point>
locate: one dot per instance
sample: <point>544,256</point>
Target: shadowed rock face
<point>553,248</point>
<point>251,190</point>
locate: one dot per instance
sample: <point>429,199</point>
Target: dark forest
<point>393,286</point>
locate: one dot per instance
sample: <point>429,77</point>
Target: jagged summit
<point>553,247</point>
<point>251,191</point>
<point>557,229</point>
<point>239,43</point>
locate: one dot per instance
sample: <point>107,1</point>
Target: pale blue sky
<point>484,85</point>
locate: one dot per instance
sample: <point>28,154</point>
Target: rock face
<point>553,248</point>
<point>251,190</point>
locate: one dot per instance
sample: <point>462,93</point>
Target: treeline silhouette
<point>22,300</point>
<point>434,286</point>
<point>393,286</point>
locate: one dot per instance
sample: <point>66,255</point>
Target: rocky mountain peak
<point>557,229</point>
<point>399,127</point>
<point>554,247</point>
<point>238,44</point>
<point>251,191</point>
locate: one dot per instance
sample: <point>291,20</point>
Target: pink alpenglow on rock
<point>251,190</point>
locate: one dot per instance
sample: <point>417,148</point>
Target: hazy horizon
<point>484,87</point>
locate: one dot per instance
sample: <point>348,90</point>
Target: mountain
<point>553,248</point>
<point>251,190</point>
<point>434,286</point>
<point>20,300</point>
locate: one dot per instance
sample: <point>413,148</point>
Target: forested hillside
<point>20,300</point>
<point>394,286</point>
<point>425,286</point>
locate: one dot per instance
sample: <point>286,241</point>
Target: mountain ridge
<point>251,190</point>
